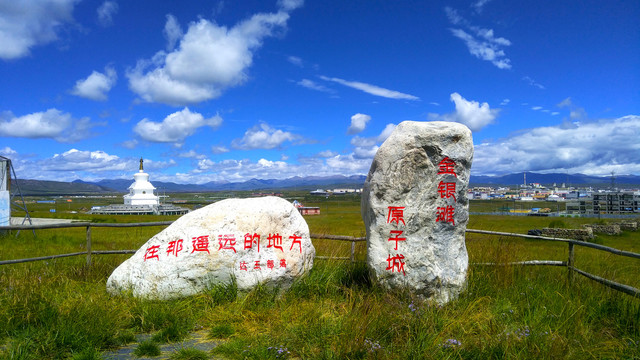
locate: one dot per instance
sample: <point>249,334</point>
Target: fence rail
<point>569,264</point>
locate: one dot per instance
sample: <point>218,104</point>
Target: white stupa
<point>141,191</point>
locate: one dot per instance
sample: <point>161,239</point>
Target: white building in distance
<point>141,191</point>
<point>140,200</point>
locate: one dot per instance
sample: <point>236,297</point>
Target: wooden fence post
<point>353,252</point>
<point>88,245</point>
<point>570,263</point>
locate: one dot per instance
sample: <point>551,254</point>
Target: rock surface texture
<point>415,209</point>
<point>252,241</point>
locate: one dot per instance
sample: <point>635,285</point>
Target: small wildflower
<point>371,345</point>
<point>451,343</point>
<point>281,351</point>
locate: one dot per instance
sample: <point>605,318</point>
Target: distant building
<point>306,210</point>
<point>141,191</point>
<point>140,200</point>
<point>621,203</point>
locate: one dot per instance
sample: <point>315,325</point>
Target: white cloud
<point>191,154</point>
<point>75,160</point>
<point>505,102</point>
<point>210,58</point>
<point>479,5</point>
<point>52,123</point>
<point>482,43</point>
<point>219,149</point>
<point>129,144</point>
<point>533,83</point>
<point>176,127</point>
<point>288,5</point>
<point>470,113</point>
<point>172,32</point>
<point>7,152</point>
<point>97,85</point>
<point>453,16</point>
<point>372,89</point>
<point>25,24</point>
<point>295,61</point>
<point>386,132</point>
<point>106,12</point>
<point>593,148</point>
<point>327,153</point>
<point>485,50</point>
<point>358,123</point>
<point>312,85</point>
<point>263,136</point>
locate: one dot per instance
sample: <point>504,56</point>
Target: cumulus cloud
<point>592,148</point>
<point>97,85</point>
<point>481,43</point>
<point>358,123</point>
<point>80,163</point>
<point>26,24</point>
<point>263,136</point>
<point>470,113</point>
<point>176,127</point>
<point>106,11</point>
<point>7,152</point>
<point>371,89</point>
<point>209,59</point>
<point>53,124</point>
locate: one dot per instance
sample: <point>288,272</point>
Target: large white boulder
<point>249,241</point>
<point>415,208</point>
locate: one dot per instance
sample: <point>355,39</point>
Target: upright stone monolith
<point>415,209</point>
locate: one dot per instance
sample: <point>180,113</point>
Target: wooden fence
<point>569,263</point>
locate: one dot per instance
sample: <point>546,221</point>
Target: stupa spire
<point>141,164</point>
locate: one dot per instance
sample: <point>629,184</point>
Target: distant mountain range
<point>79,187</point>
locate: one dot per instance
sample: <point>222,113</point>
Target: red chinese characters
<point>275,241</point>
<point>295,239</point>
<point>227,242</point>
<point>396,263</point>
<point>447,166</point>
<point>396,215</point>
<point>152,252</point>
<point>445,214</point>
<point>174,247</point>
<point>250,240</point>
<point>397,237</point>
<point>446,190</point>
<point>200,243</point>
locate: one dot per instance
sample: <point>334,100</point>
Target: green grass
<point>60,308</point>
<point>147,348</point>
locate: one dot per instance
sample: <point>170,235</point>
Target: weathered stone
<point>416,191</point>
<point>609,229</point>
<point>585,234</point>
<point>231,240</point>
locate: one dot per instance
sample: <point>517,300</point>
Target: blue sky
<point>233,90</point>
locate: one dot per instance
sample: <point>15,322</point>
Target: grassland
<point>60,309</point>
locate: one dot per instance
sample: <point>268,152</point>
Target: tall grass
<point>60,309</point>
